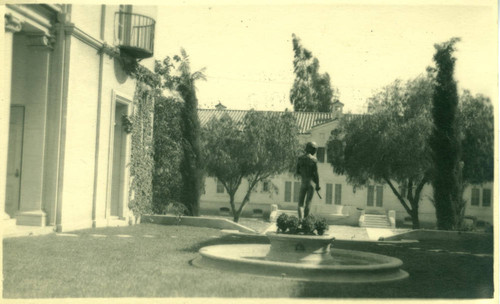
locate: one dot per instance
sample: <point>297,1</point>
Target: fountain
<point>302,257</point>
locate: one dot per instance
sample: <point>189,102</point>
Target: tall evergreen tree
<point>191,166</point>
<point>445,141</point>
<point>311,91</point>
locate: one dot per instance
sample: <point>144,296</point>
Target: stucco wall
<point>81,121</point>
<point>114,81</point>
<point>87,18</point>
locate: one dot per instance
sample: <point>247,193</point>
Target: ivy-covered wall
<point>167,154</point>
<point>142,162</point>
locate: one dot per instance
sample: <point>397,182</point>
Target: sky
<point>247,48</point>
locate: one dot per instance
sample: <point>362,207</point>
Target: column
<point>12,25</point>
<point>38,47</point>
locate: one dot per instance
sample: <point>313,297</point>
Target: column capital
<point>12,24</point>
<point>42,41</point>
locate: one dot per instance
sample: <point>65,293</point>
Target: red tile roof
<point>305,120</point>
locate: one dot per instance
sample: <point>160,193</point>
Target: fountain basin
<point>326,264</point>
<point>295,248</point>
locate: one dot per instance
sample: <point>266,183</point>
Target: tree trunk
<point>246,199</point>
<point>231,203</point>
<point>414,218</point>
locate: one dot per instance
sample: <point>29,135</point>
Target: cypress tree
<point>191,166</point>
<point>444,141</point>
<point>311,90</point>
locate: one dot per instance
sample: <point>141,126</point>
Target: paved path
<point>354,233</point>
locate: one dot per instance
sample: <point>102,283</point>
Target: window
<point>338,194</point>
<point>296,191</point>
<point>265,186</point>
<point>375,196</point>
<point>288,191</point>
<point>369,199</point>
<point>220,187</point>
<point>380,196</point>
<point>321,154</point>
<point>486,197</point>
<point>474,200</point>
<point>329,190</point>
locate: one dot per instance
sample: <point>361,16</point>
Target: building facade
<point>65,92</point>
<point>341,203</point>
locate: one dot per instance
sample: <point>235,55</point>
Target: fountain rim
<point>389,262</point>
<point>277,235</point>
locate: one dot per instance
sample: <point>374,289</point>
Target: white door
<point>14,163</point>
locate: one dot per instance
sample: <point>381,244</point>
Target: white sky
<point>247,49</point>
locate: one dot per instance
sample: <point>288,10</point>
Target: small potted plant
<point>321,226</point>
<point>308,226</point>
<point>282,222</point>
<point>293,224</point>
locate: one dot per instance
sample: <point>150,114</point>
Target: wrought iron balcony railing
<point>134,34</point>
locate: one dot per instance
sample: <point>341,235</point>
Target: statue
<point>307,168</point>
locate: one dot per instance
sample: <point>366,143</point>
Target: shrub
<point>309,224</point>
<point>282,222</point>
<point>321,226</point>
<point>293,224</point>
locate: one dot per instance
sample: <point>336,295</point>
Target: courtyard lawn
<point>150,260</point>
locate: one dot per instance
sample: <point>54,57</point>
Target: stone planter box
<point>292,248</point>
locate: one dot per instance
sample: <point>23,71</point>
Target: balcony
<point>134,34</point>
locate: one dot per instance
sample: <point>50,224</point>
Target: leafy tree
<point>445,141</point>
<point>311,91</point>
<point>182,82</point>
<point>262,145</point>
<point>477,134</point>
<point>389,144</point>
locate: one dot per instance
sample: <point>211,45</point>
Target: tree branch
<point>401,199</point>
<point>420,186</point>
<point>247,195</point>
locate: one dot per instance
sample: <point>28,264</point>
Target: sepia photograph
<point>249,151</point>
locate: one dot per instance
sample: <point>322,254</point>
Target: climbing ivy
<point>142,162</point>
<point>167,154</point>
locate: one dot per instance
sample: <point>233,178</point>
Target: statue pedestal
<point>302,249</point>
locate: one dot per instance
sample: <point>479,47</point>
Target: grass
<point>154,261</point>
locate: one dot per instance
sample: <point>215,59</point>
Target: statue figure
<point>307,168</point>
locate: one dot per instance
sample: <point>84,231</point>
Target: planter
<point>306,249</point>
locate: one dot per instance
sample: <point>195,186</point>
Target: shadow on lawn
<point>444,269</point>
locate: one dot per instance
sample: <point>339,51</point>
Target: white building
<point>64,93</point>
<point>341,202</point>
